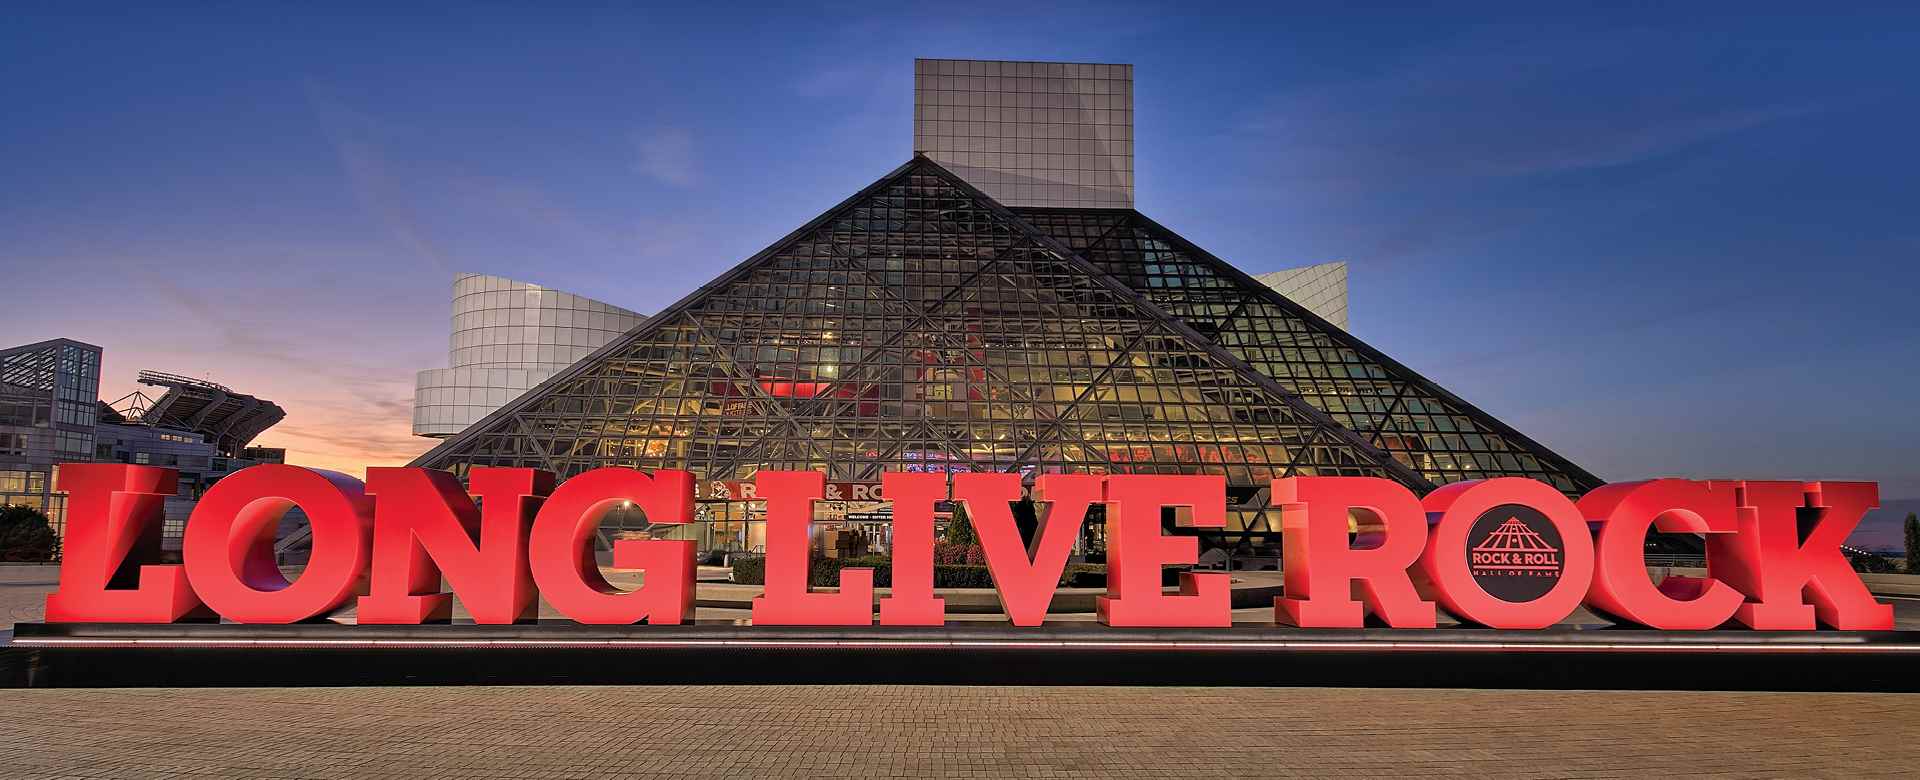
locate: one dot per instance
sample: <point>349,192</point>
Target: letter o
<point>228,545</point>
<point>1445,560</point>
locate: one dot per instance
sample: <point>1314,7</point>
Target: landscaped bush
<point>962,576</point>
<point>26,535</point>
<point>750,569</point>
<point>825,573</point>
<point>1094,575</point>
<point>821,571</point>
<point>1084,575</point>
<point>1872,564</point>
<point>953,554</point>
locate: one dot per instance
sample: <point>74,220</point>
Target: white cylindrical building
<point>1322,288</point>
<point>507,337</point>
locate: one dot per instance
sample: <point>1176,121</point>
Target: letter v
<point>1025,578</point>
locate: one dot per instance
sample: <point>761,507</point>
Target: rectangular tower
<point>1029,133</point>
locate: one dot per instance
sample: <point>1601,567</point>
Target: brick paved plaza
<point>930,730</point>
<point>919,731</point>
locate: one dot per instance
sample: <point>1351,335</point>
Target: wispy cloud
<point>1510,105</point>
<point>516,207</point>
<point>227,333</point>
<point>1450,138</point>
<point>667,154</point>
<point>354,138</point>
<point>365,416</point>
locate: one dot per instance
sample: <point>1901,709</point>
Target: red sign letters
<point>1503,553</point>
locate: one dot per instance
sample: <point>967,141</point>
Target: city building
<point>49,392</point>
<point>1029,322</point>
<point>507,336</point>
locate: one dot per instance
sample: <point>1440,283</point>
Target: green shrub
<point>26,535</point>
<point>1084,575</point>
<point>822,572</point>
<point>1912,532</point>
<point>825,573</point>
<point>1872,564</point>
<point>958,554</point>
<point>961,576</point>
<point>750,570</point>
<point>960,528</point>
<point>1094,575</point>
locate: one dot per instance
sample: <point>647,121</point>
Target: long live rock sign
<point>406,529</point>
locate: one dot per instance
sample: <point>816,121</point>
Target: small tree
<point>1871,564</point>
<point>960,528</point>
<point>960,545</point>
<point>26,535</point>
<point>1913,543</point>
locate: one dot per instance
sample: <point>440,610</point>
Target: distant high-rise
<point>1029,133</point>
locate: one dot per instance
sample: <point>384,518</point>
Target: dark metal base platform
<point>986,653</point>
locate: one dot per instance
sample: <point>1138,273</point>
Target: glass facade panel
<point>1030,133</point>
<point>1393,408</point>
<point>507,336</point>
<point>49,396</point>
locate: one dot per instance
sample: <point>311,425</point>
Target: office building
<point>49,394</point>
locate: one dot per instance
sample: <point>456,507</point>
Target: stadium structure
<point>51,414</point>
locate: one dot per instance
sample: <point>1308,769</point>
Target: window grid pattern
<point>49,398</point>
<point>508,336</point>
<point>1030,133</point>
<point>1391,407</point>
<point>1321,288</point>
<point>915,330</point>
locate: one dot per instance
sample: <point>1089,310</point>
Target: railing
<point>164,379</point>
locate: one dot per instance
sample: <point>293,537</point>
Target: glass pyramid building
<point>921,325</point>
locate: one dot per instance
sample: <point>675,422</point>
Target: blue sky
<point>1662,242</point>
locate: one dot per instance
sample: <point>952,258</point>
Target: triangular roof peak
<point>958,317</point>
<point>1222,389</point>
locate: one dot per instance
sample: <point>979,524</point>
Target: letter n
<point>426,527</point>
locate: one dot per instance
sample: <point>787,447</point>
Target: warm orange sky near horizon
<point>318,432</point>
<point>379,439</point>
<point>278,333</point>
